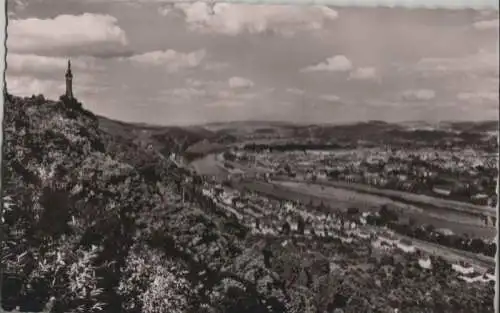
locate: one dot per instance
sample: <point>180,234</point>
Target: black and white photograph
<point>221,157</point>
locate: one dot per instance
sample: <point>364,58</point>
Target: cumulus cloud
<point>418,95</point>
<point>363,73</point>
<point>481,62</point>
<point>338,63</point>
<point>199,83</point>
<point>87,33</point>
<point>377,103</point>
<point>52,88</point>
<point>296,91</point>
<point>215,66</point>
<point>18,4</point>
<point>231,94</point>
<point>240,82</point>
<point>165,10</point>
<point>170,59</point>
<point>193,93</point>
<point>487,25</point>
<point>22,63</point>
<point>225,104</point>
<point>330,98</point>
<point>185,93</point>
<point>478,96</point>
<point>15,6</point>
<point>233,19</point>
<point>234,89</point>
<point>28,85</point>
<point>484,5</point>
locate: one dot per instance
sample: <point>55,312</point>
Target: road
<point>479,261</point>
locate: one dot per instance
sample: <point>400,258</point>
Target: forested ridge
<point>93,222</point>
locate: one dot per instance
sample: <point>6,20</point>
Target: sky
<point>195,62</point>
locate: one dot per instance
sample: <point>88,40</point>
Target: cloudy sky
<point>189,63</point>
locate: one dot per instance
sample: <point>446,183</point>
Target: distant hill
<point>480,126</point>
<point>212,137</point>
<point>486,126</point>
<point>247,124</point>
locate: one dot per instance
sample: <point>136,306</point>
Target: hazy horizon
<point>303,124</point>
<point>194,64</point>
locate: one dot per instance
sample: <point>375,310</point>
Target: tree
<point>152,283</point>
<point>285,229</point>
<point>83,282</point>
<point>477,246</point>
<point>257,223</point>
<point>55,215</point>
<point>287,168</point>
<point>70,103</point>
<point>267,253</point>
<point>387,215</point>
<point>430,228</point>
<point>352,211</point>
<point>167,292</point>
<point>301,225</point>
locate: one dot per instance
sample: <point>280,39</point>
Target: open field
<point>416,198</point>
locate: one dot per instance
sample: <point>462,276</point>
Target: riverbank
<point>458,217</point>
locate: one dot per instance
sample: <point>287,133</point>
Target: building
<point>463,268</point>
<point>442,190</point>
<point>425,263</point>
<point>406,246</point>
<point>69,82</point>
<point>480,198</point>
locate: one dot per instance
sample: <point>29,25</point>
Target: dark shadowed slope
<point>93,220</point>
<point>166,139</point>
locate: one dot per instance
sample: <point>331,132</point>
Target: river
<point>212,165</point>
<point>209,165</point>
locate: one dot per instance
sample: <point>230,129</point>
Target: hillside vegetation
<point>96,219</point>
<point>93,220</point>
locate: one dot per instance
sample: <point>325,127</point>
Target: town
<point>292,221</point>
<point>208,157</point>
<point>468,175</point>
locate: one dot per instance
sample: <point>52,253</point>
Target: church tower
<point>69,82</point>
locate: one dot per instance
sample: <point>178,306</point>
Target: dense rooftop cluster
<point>464,175</point>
